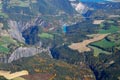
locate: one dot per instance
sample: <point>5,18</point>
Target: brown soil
<point>82,46</point>
<point>8,75</point>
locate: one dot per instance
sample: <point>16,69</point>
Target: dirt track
<point>82,46</point>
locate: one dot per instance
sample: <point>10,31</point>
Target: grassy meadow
<point>112,29</point>
<point>46,35</point>
<point>103,44</point>
<point>97,51</point>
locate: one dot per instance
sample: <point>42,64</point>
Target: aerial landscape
<point>59,39</point>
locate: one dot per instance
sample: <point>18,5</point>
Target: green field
<point>0,7</point>
<point>21,3</point>
<point>103,44</point>
<point>1,13</point>
<point>46,35</point>
<point>4,42</point>
<point>97,51</point>
<point>114,38</point>
<point>101,25</point>
<point>4,49</point>
<point>112,29</point>
<point>110,21</point>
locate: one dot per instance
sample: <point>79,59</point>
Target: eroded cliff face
<point>25,33</point>
<point>14,31</point>
<point>22,31</point>
<point>26,52</point>
<point>23,52</point>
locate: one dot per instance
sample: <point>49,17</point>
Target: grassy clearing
<point>114,38</point>
<point>3,15</point>
<point>0,6</point>
<point>4,42</point>
<point>103,44</point>
<point>102,25</point>
<point>19,3</point>
<point>97,51</point>
<point>110,21</point>
<point>112,29</point>
<point>4,49</point>
<point>46,35</point>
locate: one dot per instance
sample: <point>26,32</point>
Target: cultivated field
<point>46,35</point>
<point>98,21</point>
<point>82,46</point>
<point>97,51</point>
<point>112,29</point>
<point>103,44</point>
<point>8,75</point>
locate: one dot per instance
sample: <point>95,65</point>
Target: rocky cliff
<point>14,31</point>
<point>25,52</point>
<point>17,30</point>
<point>22,52</point>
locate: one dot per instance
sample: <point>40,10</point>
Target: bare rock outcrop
<point>14,31</point>
<point>25,52</point>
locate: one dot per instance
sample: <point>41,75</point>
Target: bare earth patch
<point>98,21</point>
<point>8,75</point>
<point>82,46</point>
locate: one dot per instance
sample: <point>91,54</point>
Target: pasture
<point>46,35</point>
<point>112,29</point>
<point>103,44</point>
<point>97,51</point>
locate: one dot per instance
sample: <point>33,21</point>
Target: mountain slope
<point>52,6</point>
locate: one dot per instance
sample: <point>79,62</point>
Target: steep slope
<point>54,6</point>
<point>41,65</point>
<point>14,31</point>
